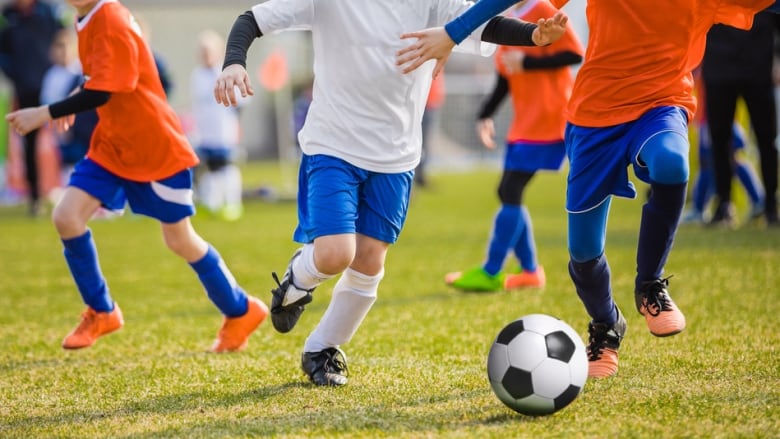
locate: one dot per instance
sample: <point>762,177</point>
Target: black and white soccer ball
<point>537,365</point>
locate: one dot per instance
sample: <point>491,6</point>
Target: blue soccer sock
<point>747,176</point>
<point>507,226</point>
<point>525,247</point>
<point>660,217</point>
<point>221,287</point>
<point>592,282</point>
<point>703,190</point>
<point>81,256</point>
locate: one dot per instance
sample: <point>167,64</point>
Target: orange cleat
<point>235,331</point>
<point>662,316</point>
<point>526,279</point>
<point>603,344</point>
<point>93,325</point>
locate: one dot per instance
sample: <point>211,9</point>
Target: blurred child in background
<point>216,136</point>
<point>63,78</point>
<point>539,80</point>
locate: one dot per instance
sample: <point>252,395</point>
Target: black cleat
<point>327,367</point>
<point>288,300</point>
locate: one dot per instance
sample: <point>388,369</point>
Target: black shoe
<point>325,368</point>
<point>603,344</point>
<point>724,216</point>
<point>288,300</point>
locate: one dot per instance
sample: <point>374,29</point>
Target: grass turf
<point>417,364</point>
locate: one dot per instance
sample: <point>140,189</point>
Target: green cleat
<point>475,279</point>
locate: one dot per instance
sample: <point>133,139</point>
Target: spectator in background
<point>27,31</point>
<point>430,122</point>
<point>704,185</point>
<point>60,80</point>
<point>216,133</point>
<point>738,63</point>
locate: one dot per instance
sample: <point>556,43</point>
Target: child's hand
<point>486,131</point>
<point>28,119</point>
<point>550,29</point>
<point>432,43</point>
<point>232,76</point>
<point>64,123</point>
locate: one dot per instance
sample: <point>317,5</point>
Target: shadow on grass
<point>416,416</point>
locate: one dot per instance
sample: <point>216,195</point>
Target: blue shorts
<point>168,200</point>
<point>531,157</point>
<point>599,157</point>
<point>335,197</point>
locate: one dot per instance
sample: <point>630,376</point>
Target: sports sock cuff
<point>360,283</point>
<point>307,276</point>
<point>70,242</point>
<point>208,262</point>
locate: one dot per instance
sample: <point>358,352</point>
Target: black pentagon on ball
<point>510,331</point>
<point>518,383</point>
<point>566,397</point>
<point>559,346</point>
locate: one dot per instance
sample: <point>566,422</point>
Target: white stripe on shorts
<point>178,196</point>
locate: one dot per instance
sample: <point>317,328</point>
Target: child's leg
<point>509,223</point>
<point>221,287</point>
<point>70,218</point>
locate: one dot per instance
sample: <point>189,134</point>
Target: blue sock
<point>747,176</point>
<point>506,228</point>
<point>660,216</point>
<point>220,285</point>
<point>592,282</point>
<point>81,256</point>
<point>703,190</point>
<point>525,247</point>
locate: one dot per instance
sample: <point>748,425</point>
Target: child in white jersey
<point>360,143</point>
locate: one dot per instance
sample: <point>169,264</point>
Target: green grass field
<point>417,365</point>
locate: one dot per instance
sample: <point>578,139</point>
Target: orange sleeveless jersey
<point>539,97</point>
<point>641,53</point>
<point>138,136</point>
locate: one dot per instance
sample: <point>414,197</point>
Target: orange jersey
<point>138,135</point>
<point>641,53</point>
<point>539,96</point>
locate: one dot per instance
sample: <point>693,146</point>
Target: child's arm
<point>435,43</point>
<point>234,74</point>
<point>28,119</point>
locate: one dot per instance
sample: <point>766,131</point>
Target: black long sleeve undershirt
<point>242,34</point>
<point>83,100</point>
<point>509,32</point>
<point>501,90</point>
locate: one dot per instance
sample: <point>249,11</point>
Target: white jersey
<point>216,126</point>
<point>364,110</point>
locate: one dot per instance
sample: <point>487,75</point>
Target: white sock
<point>305,272</point>
<point>233,189</point>
<point>206,190</point>
<point>353,296</point>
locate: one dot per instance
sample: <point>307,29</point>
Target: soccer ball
<point>537,365</point>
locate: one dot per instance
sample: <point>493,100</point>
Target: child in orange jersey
<point>539,80</point>
<point>138,154</point>
<point>630,106</point>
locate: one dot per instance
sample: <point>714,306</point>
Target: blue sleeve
<point>462,26</point>
<point>774,8</point>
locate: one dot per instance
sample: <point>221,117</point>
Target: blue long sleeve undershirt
<point>483,10</point>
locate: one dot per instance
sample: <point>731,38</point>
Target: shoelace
<point>334,362</point>
<point>277,291</point>
<point>595,344</point>
<point>656,299</point>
